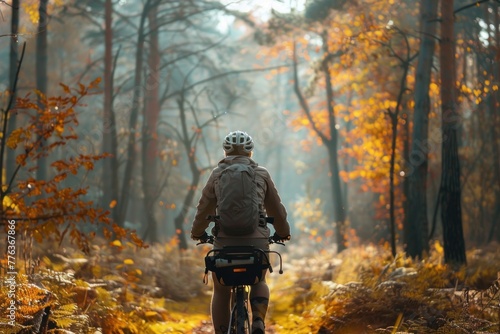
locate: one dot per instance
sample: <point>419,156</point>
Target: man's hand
<point>202,238</point>
<point>277,238</point>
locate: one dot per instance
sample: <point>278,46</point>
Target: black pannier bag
<point>237,265</point>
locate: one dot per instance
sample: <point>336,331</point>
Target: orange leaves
<point>94,83</point>
<point>73,164</point>
<point>47,207</point>
<point>65,88</point>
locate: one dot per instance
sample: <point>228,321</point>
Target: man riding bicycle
<point>221,205</point>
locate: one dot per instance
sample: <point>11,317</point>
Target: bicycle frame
<point>239,319</point>
<point>239,267</point>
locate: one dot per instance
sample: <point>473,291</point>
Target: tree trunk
<point>149,134</point>
<point>13,59</point>
<point>134,113</point>
<point>41,72</point>
<point>416,231</point>
<point>110,143</point>
<point>451,213</point>
<point>329,142</point>
<point>392,216</point>
<point>495,142</point>
<point>332,146</point>
<point>339,210</point>
<point>394,118</point>
<point>406,181</point>
<point>195,173</point>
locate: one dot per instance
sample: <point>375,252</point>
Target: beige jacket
<point>270,202</point>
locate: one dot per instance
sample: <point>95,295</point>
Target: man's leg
<point>220,307</point>
<point>259,301</point>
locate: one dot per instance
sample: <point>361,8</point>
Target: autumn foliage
<point>57,207</point>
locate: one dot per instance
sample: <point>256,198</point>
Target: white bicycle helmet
<point>238,138</point>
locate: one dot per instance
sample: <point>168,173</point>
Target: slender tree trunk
<point>41,72</point>
<point>416,231</point>
<point>110,143</point>
<point>451,213</point>
<point>406,181</point>
<point>392,217</point>
<point>134,113</point>
<point>332,146</point>
<point>149,134</point>
<point>338,208</point>
<point>330,142</point>
<point>195,173</point>
<point>394,117</point>
<point>13,59</point>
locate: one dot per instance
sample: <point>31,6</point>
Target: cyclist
<point>238,148</point>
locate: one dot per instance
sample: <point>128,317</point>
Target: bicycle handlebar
<point>210,240</point>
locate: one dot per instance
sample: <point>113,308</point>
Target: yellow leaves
<point>17,136</point>
<point>388,105</point>
<point>379,33</point>
<point>434,89</point>
<point>31,9</point>
<point>150,314</point>
<point>59,128</point>
<point>9,204</point>
<point>465,89</point>
<point>439,249</point>
<point>116,243</point>
<point>128,261</point>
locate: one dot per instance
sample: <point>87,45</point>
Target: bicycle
<point>239,267</point>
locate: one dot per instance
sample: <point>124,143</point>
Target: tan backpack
<point>237,199</point>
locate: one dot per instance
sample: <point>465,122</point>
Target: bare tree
<point>127,183</point>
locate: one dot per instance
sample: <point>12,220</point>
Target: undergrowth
<point>365,290</point>
<point>117,289</point>
<point>124,289</point>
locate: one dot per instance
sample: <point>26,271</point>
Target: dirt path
<point>206,328</point>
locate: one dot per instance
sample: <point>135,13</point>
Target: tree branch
<point>5,119</point>
<point>302,100</point>
<point>222,75</point>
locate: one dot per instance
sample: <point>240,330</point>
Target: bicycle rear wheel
<point>240,321</point>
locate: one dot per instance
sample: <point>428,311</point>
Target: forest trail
<point>194,316</point>
<point>206,328</point>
